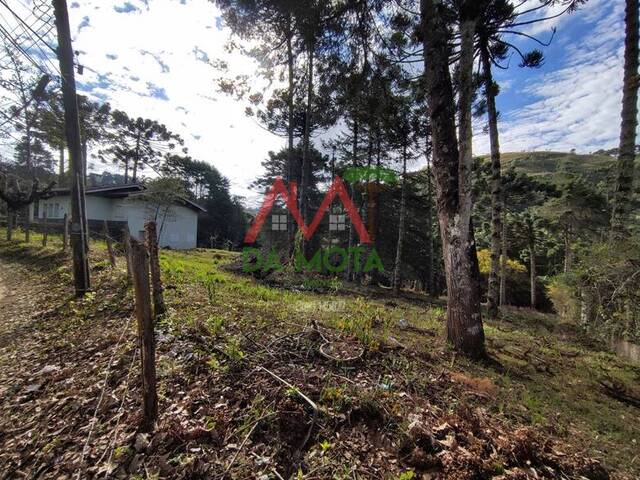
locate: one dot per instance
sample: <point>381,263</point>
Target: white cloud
<point>133,50</point>
<point>577,106</point>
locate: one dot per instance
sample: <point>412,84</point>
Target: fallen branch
<point>619,392</point>
<point>313,405</point>
<point>293,387</point>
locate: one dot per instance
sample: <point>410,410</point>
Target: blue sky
<point>573,100</point>
<point>151,58</point>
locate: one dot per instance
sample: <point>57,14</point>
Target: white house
<point>125,205</point>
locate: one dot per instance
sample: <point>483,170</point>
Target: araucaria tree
<point>627,149</point>
<point>452,167</point>
<point>136,143</point>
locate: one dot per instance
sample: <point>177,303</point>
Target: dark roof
<point>109,191</point>
<point>122,191</point>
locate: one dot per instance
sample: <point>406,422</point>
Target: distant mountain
<point>550,165</point>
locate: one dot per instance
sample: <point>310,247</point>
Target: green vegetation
<point>549,165</point>
<point>542,375</point>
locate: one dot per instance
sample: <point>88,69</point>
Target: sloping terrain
<point>258,381</point>
<point>550,165</point>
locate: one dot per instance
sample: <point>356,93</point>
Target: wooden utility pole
<point>154,260</point>
<point>72,131</point>
<point>140,270</point>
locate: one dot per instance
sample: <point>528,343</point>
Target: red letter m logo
<point>279,189</point>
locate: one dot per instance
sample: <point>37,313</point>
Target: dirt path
<point>16,302</point>
<point>54,359</point>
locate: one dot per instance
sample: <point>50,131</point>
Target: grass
<point>545,379</point>
<point>542,375</point>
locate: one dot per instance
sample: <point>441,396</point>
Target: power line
<point>34,42</point>
<point>7,36</point>
<point>29,27</point>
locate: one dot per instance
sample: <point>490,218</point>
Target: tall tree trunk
<point>531,237</point>
<point>61,181</point>
<point>83,198</point>
<point>126,171</point>
<point>374,207</point>
<point>452,171</point>
<point>354,162</point>
<point>493,293</point>
<point>629,124</point>
<point>431,288</point>
<point>401,225</point>
<point>290,130</point>
<point>306,142</point>
<point>503,261</point>
<point>134,174</point>
<point>27,217</point>
<point>290,93</point>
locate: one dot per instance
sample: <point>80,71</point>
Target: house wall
<point>55,207</point>
<point>178,227</point>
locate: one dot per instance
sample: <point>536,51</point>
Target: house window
<point>337,222</point>
<point>279,223</point>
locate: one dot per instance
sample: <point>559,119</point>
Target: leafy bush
<point>603,293</point>
<point>518,283</point>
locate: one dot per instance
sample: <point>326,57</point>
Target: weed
<point>232,350</point>
<point>408,475</point>
<point>215,324</point>
<point>123,451</point>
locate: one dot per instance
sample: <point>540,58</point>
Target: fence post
<point>140,270</point>
<point>154,261</point>
<point>45,232</point>
<point>112,256</point>
<point>65,233</point>
<point>126,238</point>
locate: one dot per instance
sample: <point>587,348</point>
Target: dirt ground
<point>260,401</point>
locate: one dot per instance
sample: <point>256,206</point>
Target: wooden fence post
<point>152,244</point>
<point>112,256</point>
<point>45,232</point>
<point>140,270</point>
<point>126,238</point>
<point>65,233</point>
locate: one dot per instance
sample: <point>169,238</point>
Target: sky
<point>153,58</point>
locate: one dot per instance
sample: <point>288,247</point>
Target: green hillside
<point>594,167</point>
